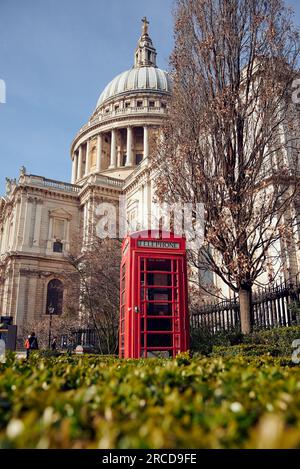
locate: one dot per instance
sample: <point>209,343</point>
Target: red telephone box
<point>153,295</point>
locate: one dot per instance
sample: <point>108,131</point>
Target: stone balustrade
<point>121,112</point>
<point>40,181</point>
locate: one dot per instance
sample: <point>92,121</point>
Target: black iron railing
<point>274,306</point>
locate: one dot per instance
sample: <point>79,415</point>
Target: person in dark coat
<point>31,344</point>
<point>53,344</point>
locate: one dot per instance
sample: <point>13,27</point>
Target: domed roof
<point>144,76</point>
<point>136,80</point>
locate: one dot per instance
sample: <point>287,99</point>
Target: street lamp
<point>51,312</point>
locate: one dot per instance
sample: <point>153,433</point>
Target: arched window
<point>55,293</point>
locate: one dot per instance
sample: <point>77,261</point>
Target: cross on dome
<point>145,25</point>
<point>145,53</point>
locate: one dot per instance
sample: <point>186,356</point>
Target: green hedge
<point>281,337</point>
<point>277,341</point>
<point>102,402</point>
<point>246,350</point>
<point>203,341</point>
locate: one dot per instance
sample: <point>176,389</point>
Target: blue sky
<point>56,56</point>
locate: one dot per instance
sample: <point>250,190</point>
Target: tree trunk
<point>245,309</point>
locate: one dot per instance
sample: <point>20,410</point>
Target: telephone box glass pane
<point>123,298</point>
<point>159,279</point>
<point>159,340</point>
<point>159,309</point>
<point>158,354</point>
<point>159,324</point>
<point>162,265</point>
<point>159,294</point>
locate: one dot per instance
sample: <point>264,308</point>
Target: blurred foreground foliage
<point>104,402</point>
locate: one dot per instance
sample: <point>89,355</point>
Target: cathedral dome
<point>129,112</point>
<point>146,78</point>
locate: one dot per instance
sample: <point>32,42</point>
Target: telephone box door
<point>159,322</point>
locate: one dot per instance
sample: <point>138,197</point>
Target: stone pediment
<point>132,203</point>
<point>60,213</point>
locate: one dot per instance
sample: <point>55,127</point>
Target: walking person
<point>53,344</point>
<point>31,343</point>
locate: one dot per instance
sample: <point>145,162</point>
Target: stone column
<point>27,224</point>
<point>37,226</point>
<point>15,225</point>
<point>49,240</point>
<point>87,159</point>
<point>79,168</point>
<point>22,293</point>
<point>147,205</point>
<point>67,243</point>
<point>129,159</point>
<point>21,222</point>
<point>74,168</point>
<point>119,159</point>
<point>99,152</point>
<point>86,224</point>
<point>31,298</point>
<point>146,142</point>
<point>5,234</point>
<point>113,153</point>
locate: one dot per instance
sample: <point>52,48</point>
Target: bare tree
<point>62,326</point>
<point>93,289</point>
<point>231,140</point>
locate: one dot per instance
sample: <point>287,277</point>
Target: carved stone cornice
<point>90,187</point>
<point>60,213</point>
<point>51,193</point>
<point>136,179</point>
<point>26,272</point>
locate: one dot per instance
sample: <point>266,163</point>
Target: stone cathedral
<point>39,217</point>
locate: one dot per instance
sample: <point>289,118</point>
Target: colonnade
<point>78,171</point>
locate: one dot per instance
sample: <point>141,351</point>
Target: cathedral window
<point>55,293</point>
<point>151,103</point>
<point>58,231</point>
<point>127,104</point>
<point>124,160</point>
<point>57,246</point>
<point>138,159</point>
<point>139,103</point>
